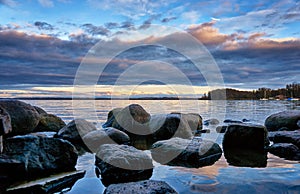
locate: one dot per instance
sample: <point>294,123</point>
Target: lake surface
<point>279,175</point>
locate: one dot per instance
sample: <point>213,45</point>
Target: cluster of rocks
<point>36,143</point>
<point>28,148</point>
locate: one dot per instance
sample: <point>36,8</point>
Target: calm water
<point>280,176</point>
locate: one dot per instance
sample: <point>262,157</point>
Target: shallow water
<point>279,175</point>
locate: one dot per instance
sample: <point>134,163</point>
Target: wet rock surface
<point>145,187</point>
<point>122,163</point>
<point>41,155</point>
<point>285,150</point>
<point>246,157</point>
<point>24,117</point>
<point>246,136</point>
<point>287,119</point>
<point>188,153</point>
<point>49,122</point>
<point>94,139</point>
<point>75,130</point>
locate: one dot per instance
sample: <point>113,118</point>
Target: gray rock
<point>75,130</point>
<point>231,121</point>
<point>111,117</point>
<point>122,163</point>
<point>194,120</point>
<point>164,127</point>
<point>132,119</point>
<point>41,155</point>
<point>246,136</point>
<point>5,122</point>
<point>188,153</point>
<point>94,139</point>
<point>288,119</point>
<point>49,122</point>
<point>145,187</point>
<point>287,137</point>
<point>40,110</point>
<point>24,117</point>
<point>285,150</point>
<point>211,122</point>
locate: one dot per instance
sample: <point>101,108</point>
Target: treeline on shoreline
<point>289,92</point>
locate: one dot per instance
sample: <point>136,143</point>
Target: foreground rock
<point>94,139</point>
<point>286,137</point>
<point>24,117</point>
<point>246,157</point>
<point>188,153</point>
<point>285,150</point>
<point>48,185</point>
<point>11,169</point>
<point>49,122</point>
<point>41,155</point>
<point>164,127</point>
<point>246,136</point>
<point>122,163</point>
<point>221,129</point>
<point>145,187</point>
<point>289,120</point>
<point>75,130</point>
<point>211,122</point>
<point>5,126</point>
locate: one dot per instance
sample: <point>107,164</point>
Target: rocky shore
<point>35,144</point>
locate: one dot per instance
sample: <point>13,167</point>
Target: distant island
<point>290,92</point>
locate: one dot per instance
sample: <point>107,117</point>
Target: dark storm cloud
<point>168,19</point>
<point>43,25</point>
<point>95,30</point>
<point>38,59</point>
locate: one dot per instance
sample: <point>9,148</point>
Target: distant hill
<point>230,94</point>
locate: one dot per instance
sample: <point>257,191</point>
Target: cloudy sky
<point>43,42</point>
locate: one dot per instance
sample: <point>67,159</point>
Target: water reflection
<point>245,157</point>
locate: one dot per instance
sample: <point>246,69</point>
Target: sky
<point>43,42</point>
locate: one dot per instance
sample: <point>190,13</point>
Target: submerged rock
<point>211,122</point>
<point>49,122</point>
<point>231,121</point>
<point>246,157</point>
<point>24,117</point>
<point>285,150</point>
<point>145,187</point>
<point>246,136</point>
<point>41,155</point>
<point>122,163</point>
<point>75,130</point>
<point>288,119</point>
<point>188,153</point>
<point>94,139</point>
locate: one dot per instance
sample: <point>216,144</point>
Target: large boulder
<point>164,127</point>
<point>24,117</point>
<point>94,139</point>
<point>194,120</point>
<point>5,122</point>
<point>75,130</point>
<point>133,120</point>
<point>145,187</point>
<point>287,119</point>
<point>285,150</point>
<point>248,136</point>
<point>188,153</point>
<point>39,110</point>
<point>41,155</point>
<point>122,163</point>
<point>287,137</point>
<point>49,122</point>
